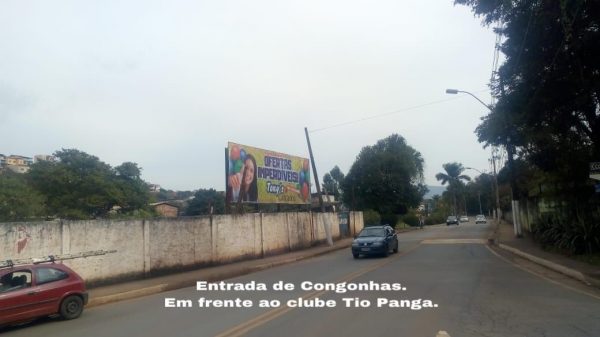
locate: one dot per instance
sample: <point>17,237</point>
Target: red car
<point>37,290</point>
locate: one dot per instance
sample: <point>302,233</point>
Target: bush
<point>411,219</point>
<point>389,219</point>
<point>371,218</point>
<point>434,219</point>
<point>571,234</point>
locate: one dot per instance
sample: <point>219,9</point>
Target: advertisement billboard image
<point>261,176</point>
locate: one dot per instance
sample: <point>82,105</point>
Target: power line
<point>496,59</point>
<point>496,149</point>
<point>388,113</point>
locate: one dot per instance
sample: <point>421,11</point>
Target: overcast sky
<point>168,84</point>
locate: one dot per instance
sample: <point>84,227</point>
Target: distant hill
<point>433,190</point>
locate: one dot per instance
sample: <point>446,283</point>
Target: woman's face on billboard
<point>249,172</point>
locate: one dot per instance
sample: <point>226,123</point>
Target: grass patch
<point>593,259</point>
<point>401,225</point>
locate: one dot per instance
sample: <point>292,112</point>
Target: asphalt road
<point>472,289</point>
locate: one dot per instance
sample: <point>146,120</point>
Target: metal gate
<point>344,224</point>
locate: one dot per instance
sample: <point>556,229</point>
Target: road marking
<point>542,276</point>
<point>453,241</point>
<point>442,333</point>
<point>270,315</point>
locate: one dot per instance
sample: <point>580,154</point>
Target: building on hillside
<point>166,209</point>
<point>43,157</point>
<point>19,164</point>
<point>154,187</point>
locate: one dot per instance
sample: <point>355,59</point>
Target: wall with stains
<point>150,247</point>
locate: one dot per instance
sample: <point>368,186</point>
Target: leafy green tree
<point>133,191</point>
<point>371,218</point>
<point>18,201</point>
<point>480,190</point>
<point>440,208</point>
<point>129,170</point>
<point>453,177</point>
<point>332,182</point>
<point>548,89</point>
<point>204,200</point>
<point>80,186</point>
<point>77,186</point>
<point>386,177</point>
<point>164,195</point>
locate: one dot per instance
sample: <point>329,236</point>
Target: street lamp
<point>456,91</point>
<point>514,203</point>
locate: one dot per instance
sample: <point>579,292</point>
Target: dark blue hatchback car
<point>375,240</point>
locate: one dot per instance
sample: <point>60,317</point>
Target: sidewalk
<point>144,287</point>
<point>526,248</point>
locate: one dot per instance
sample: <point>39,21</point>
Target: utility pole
<point>316,175</point>
<point>514,191</point>
<point>496,188</point>
<point>227,196</point>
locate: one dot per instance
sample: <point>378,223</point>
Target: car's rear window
<point>372,232</point>
<point>47,275</point>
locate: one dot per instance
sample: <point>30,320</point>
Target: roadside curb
<point>126,295</point>
<point>189,282</point>
<point>398,231</point>
<point>592,281</point>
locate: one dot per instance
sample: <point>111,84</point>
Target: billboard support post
<point>227,204</point>
<point>316,175</point>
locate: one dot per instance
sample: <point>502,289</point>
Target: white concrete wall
<point>356,222</point>
<point>21,239</point>
<point>235,237</point>
<point>127,237</point>
<point>173,244</point>
<point>275,233</point>
<point>147,247</point>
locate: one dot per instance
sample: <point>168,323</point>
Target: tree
<point>548,89</point>
<point>80,186</point>
<point>548,109</point>
<point>479,192</point>
<point>453,177</point>
<point>133,191</point>
<point>386,177</point>
<point>18,201</point>
<point>129,170</point>
<point>204,200</point>
<point>332,182</point>
<point>164,195</point>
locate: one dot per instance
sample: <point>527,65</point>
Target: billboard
<point>267,177</point>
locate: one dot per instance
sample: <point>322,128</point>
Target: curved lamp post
<point>456,91</point>
<point>514,204</point>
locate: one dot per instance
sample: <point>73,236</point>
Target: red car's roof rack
<point>51,258</point>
